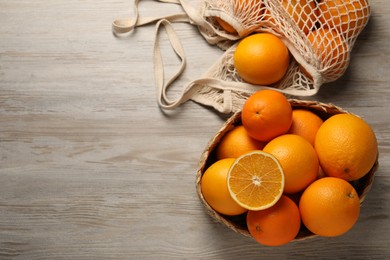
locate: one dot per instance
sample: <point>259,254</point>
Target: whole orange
<point>261,59</point>
<point>346,16</point>
<point>331,49</point>
<point>266,114</point>
<point>329,206</point>
<point>236,142</point>
<point>298,160</point>
<point>306,124</point>
<point>214,188</point>
<point>302,12</point>
<point>346,146</point>
<point>276,225</point>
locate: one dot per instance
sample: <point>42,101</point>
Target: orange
<point>346,16</point>
<point>331,49</point>
<point>346,146</point>
<point>329,207</point>
<point>261,59</point>
<point>298,159</point>
<point>252,8</point>
<point>305,123</point>
<point>225,25</point>
<point>214,188</point>
<point>236,142</point>
<point>277,225</point>
<point>255,180</point>
<point>302,12</point>
<point>266,114</point>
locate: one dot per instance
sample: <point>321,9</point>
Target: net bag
<point>319,35</point>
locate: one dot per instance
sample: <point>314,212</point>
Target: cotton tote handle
<point>207,86</point>
<point>162,86</point>
<point>189,15</point>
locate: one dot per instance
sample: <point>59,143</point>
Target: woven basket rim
<point>324,110</point>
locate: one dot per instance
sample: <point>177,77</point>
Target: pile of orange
<point>329,25</point>
<point>290,168</point>
<point>285,168</point>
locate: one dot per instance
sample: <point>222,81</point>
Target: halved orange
<point>256,180</point>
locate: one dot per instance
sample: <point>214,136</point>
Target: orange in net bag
<point>319,34</point>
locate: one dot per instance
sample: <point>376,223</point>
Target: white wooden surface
<point>91,168</point>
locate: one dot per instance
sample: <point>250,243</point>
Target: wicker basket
<point>238,223</point>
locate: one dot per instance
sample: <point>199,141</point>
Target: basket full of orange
<point>283,170</point>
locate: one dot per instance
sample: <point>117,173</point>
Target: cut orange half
<point>256,180</point>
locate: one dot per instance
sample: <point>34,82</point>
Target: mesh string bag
<point>319,35</point>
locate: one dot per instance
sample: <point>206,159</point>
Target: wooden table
<point>91,168</point>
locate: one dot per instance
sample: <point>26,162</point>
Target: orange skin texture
<point>346,146</point>
<point>277,225</point>
<point>261,59</point>
<point>298,160</point>
<point>306,124</point>
<point>266,114</point>
<point>329,207</point>
<point>236,142</point>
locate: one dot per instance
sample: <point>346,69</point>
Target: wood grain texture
<point>91,168</point>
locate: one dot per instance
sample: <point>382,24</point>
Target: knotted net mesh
<point>319,34</point>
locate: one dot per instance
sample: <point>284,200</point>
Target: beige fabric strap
<point>197,90</point>
<point>193,89</point>
<point>201,90</point>
<point>126,25</point>
<point>190,15</point>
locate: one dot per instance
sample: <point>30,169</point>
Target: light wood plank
<point>91,168</point>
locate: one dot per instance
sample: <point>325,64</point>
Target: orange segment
<point>256,180</point>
